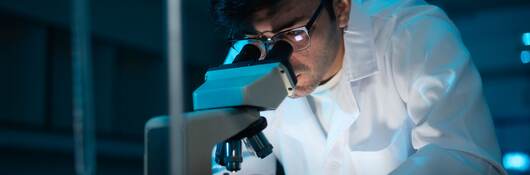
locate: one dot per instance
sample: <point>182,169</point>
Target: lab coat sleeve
<point>452,130</point>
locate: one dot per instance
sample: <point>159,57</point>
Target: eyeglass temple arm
<point>315,16</point>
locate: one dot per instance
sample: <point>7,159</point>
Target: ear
<point>342,12</point>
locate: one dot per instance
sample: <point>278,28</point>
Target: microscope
<point>244,87</point>
<point>227,110</point>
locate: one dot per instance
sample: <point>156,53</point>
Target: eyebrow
<point>289,24</point>
<point>281,28</point>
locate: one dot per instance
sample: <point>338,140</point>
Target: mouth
<point>298,75</point>
<point>298,78</point>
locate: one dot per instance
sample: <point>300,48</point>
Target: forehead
<point>285,14</point>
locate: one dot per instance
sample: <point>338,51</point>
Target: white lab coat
<point>408,101</point>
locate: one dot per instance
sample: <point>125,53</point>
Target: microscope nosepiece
<point>260,145</point>
<point>233,156</point>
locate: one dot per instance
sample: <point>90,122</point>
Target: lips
<point>298,76</point>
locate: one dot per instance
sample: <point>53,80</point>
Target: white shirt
<point>408,100</point>
<point>322,101</point>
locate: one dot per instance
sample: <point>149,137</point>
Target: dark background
<point>130,75</point>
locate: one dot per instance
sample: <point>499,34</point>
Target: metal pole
<point>83,111</point>
<point>174,56</point>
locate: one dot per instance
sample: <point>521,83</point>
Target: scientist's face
<point>322,58</point>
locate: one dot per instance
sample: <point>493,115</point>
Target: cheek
<point>315,60</point>
<point>324,52</point>
<point>302,61</point>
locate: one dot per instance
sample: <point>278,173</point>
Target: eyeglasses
<point>299,37</point>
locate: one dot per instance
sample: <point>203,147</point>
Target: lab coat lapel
<point>338,159</point>
<point>297,113</point>
<point>343,118</point>
<point>301,126</point>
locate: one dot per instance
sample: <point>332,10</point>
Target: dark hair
<point>231,14</point>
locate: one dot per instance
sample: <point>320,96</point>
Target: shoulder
<point>417,20</point>
<point>423,39</point>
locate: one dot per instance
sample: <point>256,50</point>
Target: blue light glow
<point>516,161</point>
<point>525,56</point>
<point>526,39</point>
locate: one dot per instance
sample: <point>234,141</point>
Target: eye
<point>298,37</point>
<point>295,35</point>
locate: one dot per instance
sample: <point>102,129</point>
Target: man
<point>383,87</point>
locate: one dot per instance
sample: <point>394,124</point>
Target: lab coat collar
<point>344,116</point>
<point>360,59</point>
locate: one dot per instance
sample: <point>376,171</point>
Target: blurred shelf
<point>506,122</point>
<point>63,143</point>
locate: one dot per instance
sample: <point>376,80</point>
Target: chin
<point>304,86</point>
<point>302,91</point>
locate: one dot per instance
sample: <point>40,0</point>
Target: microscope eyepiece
<point>248,53</point>
<point>281,50</point>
